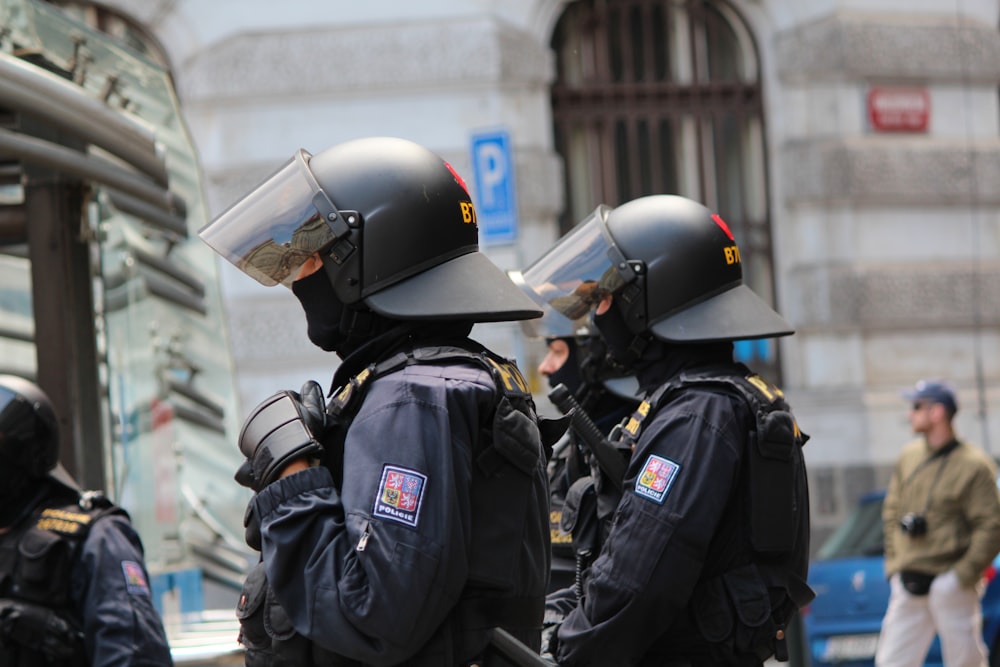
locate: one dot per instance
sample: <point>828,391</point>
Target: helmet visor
<point>7,402</point>
<point>552,324</point>
<point>271,232</point>
<point>579,271</point>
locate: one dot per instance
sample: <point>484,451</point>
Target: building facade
<point>854,147</point>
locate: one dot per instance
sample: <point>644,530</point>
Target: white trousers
<point>911,621</point>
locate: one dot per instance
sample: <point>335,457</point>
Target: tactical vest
<point>38,625</point>
<point>731,608</point>
<point>506,465</point>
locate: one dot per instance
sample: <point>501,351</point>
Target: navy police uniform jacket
<point>122,627</point>
<point>98,585</point>
<point>675,583</point>
<point>372,568</point>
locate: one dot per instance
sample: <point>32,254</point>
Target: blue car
<point>842,623</point>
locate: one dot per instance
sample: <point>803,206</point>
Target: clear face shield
<point>552,324</point>
<point>272,231</point>
<point>575,275</point>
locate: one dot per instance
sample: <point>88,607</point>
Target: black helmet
<point>29,430</point>
<point>672,264</point>
<point>395,226</point>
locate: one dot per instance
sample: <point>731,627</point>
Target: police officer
<point>706,560</point>
<point>576,358</point>
<point>74,589</point>
<point>425,525</point>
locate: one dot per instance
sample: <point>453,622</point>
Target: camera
<point>913,524</point>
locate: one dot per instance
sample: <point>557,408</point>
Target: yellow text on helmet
<point>468,212</point>
<point>732,254</point>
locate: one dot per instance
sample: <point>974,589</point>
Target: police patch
<point>656,478</point>
<point>399,495</point>
<point>135,578</point>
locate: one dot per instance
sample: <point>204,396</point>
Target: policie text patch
<point>399,495</point>
<point>656,478</point>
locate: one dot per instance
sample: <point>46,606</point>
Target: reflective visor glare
<point>273,230</point>
<point>11,411</point>
<point>553,324</point>
<point>577,273</point>
<point>7,397</point>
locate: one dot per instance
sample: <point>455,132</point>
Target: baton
<point>581,423</point>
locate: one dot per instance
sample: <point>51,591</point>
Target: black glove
<point>283,428</point>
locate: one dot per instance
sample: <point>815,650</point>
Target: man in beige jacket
<point>942,530</point>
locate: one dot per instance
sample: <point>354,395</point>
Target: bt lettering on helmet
<point>468,212</point>
<point>732,254</point>
<point>732,251</point>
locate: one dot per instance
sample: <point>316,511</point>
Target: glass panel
<point>637,47</point>
<point>616,57</point>
<point>722,46</point>
<point>622,172</point>
<point>17,324</point>
<point>168,386</point>
<point>668,156</point>
<point>660,44</point>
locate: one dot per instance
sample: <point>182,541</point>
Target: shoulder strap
<point>505,372</point>
<point>761,395</point>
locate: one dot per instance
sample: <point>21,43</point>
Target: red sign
<point>899,109</point>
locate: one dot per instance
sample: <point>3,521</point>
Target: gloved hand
<point>285,427</point>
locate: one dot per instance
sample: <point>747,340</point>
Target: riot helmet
<point>393,223</point>
<point>29,430</point>
<point>672,265</point>
<point>29,446</point>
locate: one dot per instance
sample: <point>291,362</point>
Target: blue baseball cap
<point>934,391</point>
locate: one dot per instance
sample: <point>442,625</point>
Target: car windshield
<point>860,535</point>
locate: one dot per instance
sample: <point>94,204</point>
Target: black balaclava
<point>331,325</point>
<point>322,308</point>
<point>624,347</point>
<point>654,361</point>
<point>569,373</point>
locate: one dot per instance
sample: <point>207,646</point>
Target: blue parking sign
<point>493,173</point>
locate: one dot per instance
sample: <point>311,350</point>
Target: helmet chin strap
<point>625,348</point>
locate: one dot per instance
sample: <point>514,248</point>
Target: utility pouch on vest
<point>579,516</point>
<point>267,632</point>
<point>42,552</point>
<point>39,629</point>
<point>772,500</point>
<point>734,611</point>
